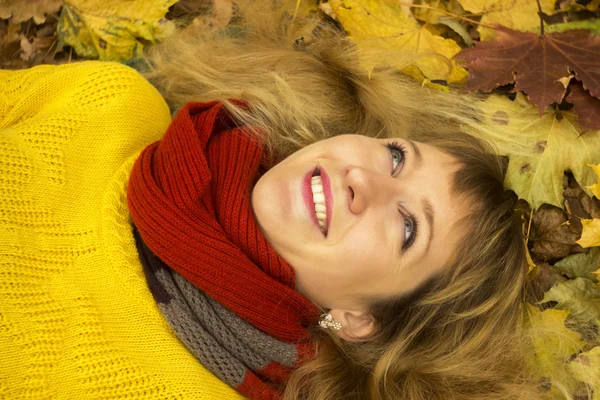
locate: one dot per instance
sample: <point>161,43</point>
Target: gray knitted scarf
<point>235,351</point>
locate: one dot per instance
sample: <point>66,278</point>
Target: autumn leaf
<point>383,24</point>
<point>521,15</point>
<point>586,368</point>
<point>580,295</point>
<point>581,265</point>
<point>579,205</point>
<point>113,29</point>
<point>537,64</point>
<point>577,5</point>
<point>595,188</point>
<point>586,106</point>
<point>540,150</point>
<point>553,236</point>
<point>9,34</point>
<point>436,14</point>
<point>553,342</point>
<point>21,10</point>
<point>590,236</point>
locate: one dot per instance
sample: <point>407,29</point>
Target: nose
<point>368,189</point>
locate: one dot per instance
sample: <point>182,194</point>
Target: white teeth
<point>319,200</point>
<point>318,197</point>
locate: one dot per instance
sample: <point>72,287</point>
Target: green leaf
<point>581,265</point>
<point>580,295</point>
<point>592,25</point>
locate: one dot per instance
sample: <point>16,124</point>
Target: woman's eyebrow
<point>418,157</point>
<point>429,216</point>
<point>425,203</point>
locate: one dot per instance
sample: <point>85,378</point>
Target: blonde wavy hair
<point>460,335</point>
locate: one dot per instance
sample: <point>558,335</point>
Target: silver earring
<point>326,321</point>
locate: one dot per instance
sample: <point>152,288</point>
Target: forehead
<point>434,184</point>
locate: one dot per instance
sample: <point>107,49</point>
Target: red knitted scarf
<point>189,197</point>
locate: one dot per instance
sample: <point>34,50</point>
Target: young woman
<point>303,230</point>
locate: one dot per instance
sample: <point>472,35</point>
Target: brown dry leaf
<point>9,34</point>
<point>579,205</point>
<point>586,107</point>
<point>35,47</point>
<point>535,63</point>
<point>553,237</point>
<point>9,44</point>
<point>546,277</point>
<point>22,10</point>
<point>577,5</point>
<point>189,8</point>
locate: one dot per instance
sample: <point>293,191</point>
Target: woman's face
<point>388,217</point>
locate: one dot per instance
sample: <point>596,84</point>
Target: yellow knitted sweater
<point>77,320</point>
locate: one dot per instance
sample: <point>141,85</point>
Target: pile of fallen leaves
<point>538,59</point>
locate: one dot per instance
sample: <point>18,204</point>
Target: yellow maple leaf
<point>381,24</point>
<point>595,188</point>
<point>553,342</point>
<point>113,29</point>
<point>540,150</point>
<point>521,15</point>
<point>590,236</point>
<point>586,368</point>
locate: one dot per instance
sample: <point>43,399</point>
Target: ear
<point>357,326</point>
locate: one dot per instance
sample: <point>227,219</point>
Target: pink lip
<point>308,198</point>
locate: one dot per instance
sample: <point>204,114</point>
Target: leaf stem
<point>541,19</point>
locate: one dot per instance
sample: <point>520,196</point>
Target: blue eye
<point>410,230</point>
<point>398,152</point>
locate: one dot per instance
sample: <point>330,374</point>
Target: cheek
<point>264,207</point>
<point>364,253</point>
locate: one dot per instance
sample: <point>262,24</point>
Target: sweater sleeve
<point>77,123</point>
<point>77,320</point>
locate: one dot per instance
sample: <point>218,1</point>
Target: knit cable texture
<point>189,197</point>
<point>77,320</point>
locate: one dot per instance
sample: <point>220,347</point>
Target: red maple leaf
<point>586,107</point>
<point>540,65</point>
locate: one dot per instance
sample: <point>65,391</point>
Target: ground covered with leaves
<point>539,60</point>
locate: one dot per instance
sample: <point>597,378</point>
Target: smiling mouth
<point>318,194</point>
